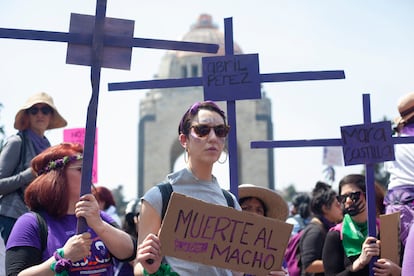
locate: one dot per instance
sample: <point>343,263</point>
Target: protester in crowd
<point>300,213</point>
<point>263,202</point>
<point>131,219</point>
<point>55,196</point>
<point>202,133</point>
<point>130,224</point>
<point>106,202</point>
<point>400,194</point>
<point>37,115</point>
<point>348,249</point>
<point>327,212</point>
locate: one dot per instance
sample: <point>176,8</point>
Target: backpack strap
<point>166,191</point>
<point>229,198</point>
<point>41,222</point>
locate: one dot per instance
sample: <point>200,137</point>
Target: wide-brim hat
<point>405,108</point>
<point>21,121</point>
<point>276,206</point>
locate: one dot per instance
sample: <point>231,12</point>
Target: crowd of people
<point>40,206</point>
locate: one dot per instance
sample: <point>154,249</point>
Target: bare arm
<point>149,246</point>
<point>118,242</point>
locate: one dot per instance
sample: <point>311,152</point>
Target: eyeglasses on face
<point>203,130</point>
<point>46,110</point>
<point>354,196</point>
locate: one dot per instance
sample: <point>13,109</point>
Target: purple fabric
<point>401,199</point>
<point>408,261</point>
<point>39,143</point>
<point>25,233</point>
<point>408,130</point>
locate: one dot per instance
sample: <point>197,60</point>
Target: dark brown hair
<point>356,179</point>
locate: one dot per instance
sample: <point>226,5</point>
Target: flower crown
<point>60,163</point>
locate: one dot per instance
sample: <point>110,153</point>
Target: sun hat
<point>275,204</point>
<point>405,108</point>
<point>21,122</point>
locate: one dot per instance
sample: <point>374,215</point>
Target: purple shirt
<point>26,233</point>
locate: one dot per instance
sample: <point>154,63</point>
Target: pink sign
<point>77,135</point>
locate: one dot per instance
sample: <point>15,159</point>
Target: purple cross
<point>230,78</point>
<point>98,43</point>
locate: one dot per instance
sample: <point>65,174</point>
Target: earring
<point>225,159</point>
<point>185,155</point>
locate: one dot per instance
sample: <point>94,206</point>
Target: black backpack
<point>166,191</point>
<point>43,232</point>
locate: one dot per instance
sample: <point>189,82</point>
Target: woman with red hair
<point>54,194</point>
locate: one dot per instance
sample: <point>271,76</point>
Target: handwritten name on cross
<point>90,43</point>
<point>230,78</point>
<point>367,144</point>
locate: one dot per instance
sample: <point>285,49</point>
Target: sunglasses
<point>353,196</point>
<point>204,130</point>
<point>46,110</point>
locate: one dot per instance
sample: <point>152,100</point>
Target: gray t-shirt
<point>186,183</point>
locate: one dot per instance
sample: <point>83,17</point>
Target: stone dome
<point>182,64</point>
<point>205,31</point>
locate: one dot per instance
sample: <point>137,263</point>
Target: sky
<point>371,40</point>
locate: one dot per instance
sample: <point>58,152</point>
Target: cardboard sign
<point>77,135</point>
<point>227,78</point>
<point>367,143</point>
<point>390,236</point>
<point>221,236</point>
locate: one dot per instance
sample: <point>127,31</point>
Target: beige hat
<point>21,122</point>
<point>405,108</point>
<point>275,204</point>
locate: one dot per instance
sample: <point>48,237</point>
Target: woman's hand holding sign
<point>150,249</point>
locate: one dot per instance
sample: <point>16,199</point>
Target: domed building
<point>159,151</point>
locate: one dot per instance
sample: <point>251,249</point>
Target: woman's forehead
<point>208,116</point>
<point>350,187</point>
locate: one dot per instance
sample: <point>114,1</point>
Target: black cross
<point>230,99</point>
<point>98,42</point>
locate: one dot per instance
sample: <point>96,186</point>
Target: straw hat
<point>405,108</point>
<point>21,122</point>
<point>275,204</point>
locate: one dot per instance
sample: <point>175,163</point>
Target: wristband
<point>61,265</point>
<point>163,270</point>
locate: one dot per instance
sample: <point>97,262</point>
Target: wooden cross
<point>367,144</point>
<point>239,80</point>
<point>91,44</point>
